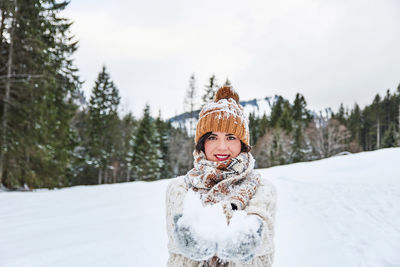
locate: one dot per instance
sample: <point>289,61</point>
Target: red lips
<point>221,157</point>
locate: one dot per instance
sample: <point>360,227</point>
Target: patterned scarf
<point>231,183</point>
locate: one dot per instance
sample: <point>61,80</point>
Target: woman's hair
<point>202,140</point>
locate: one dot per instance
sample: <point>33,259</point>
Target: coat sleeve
<point>175,196</point>
<point>263,204</point>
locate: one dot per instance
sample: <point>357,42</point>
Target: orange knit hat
<point>225,114</point>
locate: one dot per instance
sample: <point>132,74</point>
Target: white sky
<point>330,51</point>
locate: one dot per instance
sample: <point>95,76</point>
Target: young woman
<point>223,173</point>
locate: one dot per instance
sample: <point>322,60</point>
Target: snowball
<point>242,223</point>
<point>207,221</point>
<point>210,222</point>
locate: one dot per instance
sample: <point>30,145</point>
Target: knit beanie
<point>225,114</point>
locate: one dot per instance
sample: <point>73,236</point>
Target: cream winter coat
<point>262,204</point>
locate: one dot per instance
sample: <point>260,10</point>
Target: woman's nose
<point>222,144</point>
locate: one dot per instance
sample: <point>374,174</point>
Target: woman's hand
<point>242,245</point>
<point>191,244</point>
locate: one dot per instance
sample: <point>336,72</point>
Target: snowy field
<point>338,212</point>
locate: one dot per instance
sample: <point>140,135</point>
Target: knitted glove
<point>242,245</point>
<point>191,244</point>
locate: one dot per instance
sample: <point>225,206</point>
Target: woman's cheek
<point>236,148</point>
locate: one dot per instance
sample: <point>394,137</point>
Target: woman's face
<point>221,146</point>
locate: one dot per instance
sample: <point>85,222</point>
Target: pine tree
<point>163,129</point>
<point>341,115</point>
<point>127,129</point>
<point>354,123</point>
<point>390,138</point>
<point>299,109</point>
<point>376,119</point>
<point>276,111</point>
<point>103,122</point>
<point>40,88</point>
<point>210,90</point>
<point>388,110</point>
<point>253,127</point>
<point>147,157</point>
<point>285,120</point>
<point>298,146</point>
<point>82,173</point>
<point>263,125</point>
<point>367,139</point>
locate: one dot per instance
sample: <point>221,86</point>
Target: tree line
<point>51,136</point>
<point>292,133</point>
<point>115,149</point>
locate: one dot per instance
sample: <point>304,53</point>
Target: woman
<point>223,173</point>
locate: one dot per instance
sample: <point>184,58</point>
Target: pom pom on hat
<point>225,114</point>
<point>226,92</point>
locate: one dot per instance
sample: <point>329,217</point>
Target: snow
<point>104,225</point>
<point>206,221</point>
<point>342,211</point>
<point>257,106</point>
<point>210,223</point>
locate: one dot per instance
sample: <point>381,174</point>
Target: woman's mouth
<point>221,157</point>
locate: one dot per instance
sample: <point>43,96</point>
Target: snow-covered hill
<point>342,211</point>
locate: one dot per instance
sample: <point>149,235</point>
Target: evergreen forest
<point>51,136</point>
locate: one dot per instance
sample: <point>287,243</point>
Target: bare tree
<point>180,149</point>
<point>378,135</point>
<point>327,137</point>
<point>273,148</point>
<point>191,103</point>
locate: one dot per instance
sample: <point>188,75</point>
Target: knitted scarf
<point>231,183</point>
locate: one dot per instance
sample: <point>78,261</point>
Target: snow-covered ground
<point>343,211</point>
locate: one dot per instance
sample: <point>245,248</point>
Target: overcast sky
<point>330,51</point>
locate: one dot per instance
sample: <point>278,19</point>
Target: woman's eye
<point>231,138</point>
<point>211,138</point>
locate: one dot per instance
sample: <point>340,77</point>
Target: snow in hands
<point>202,232</point>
